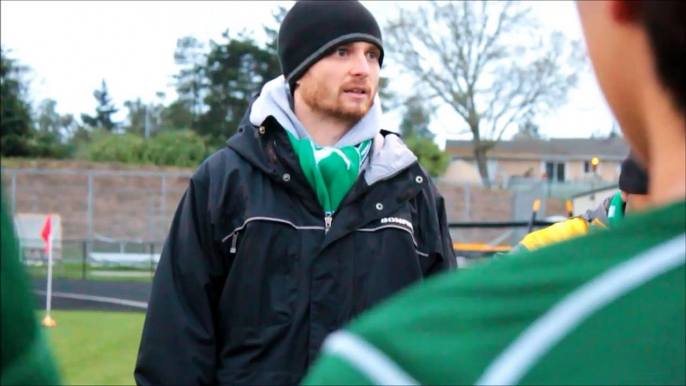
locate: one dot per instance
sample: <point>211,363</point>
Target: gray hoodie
<point>389,154</point>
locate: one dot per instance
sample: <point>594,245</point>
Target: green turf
<point>95,348</point>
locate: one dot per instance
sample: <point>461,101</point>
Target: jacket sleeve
<point>443,245</point>
<point>178,343</point>
<point>555,233</point>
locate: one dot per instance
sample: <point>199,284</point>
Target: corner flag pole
<point>49,321</point>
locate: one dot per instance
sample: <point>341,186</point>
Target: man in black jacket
<point>309,216</point>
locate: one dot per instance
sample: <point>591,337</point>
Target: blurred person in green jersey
<point>605,308</point>
<point>25,358</point>
<point>632,196</point>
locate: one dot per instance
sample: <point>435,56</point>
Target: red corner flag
<point>46,231</point>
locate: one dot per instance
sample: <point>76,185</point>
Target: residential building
<point>558,160</point>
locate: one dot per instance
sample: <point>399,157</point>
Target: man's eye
<point>341,51</point>
<point>372,55</point>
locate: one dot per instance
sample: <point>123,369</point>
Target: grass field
<point>95,348</point>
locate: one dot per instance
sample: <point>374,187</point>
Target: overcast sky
<point>72,45</point>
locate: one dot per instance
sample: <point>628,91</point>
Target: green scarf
<point>330,171</point>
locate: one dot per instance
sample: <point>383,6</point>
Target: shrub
<point>182,148</point>
<point>127,148</point>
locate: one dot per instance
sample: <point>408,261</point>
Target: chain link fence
<point>104,205</point>
<point>114,222</point>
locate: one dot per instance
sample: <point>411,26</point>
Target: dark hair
<point>665,24</point>
<point>633,178</point>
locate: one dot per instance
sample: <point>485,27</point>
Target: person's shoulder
<point>555,268</point>
<point>432,332</point>
<point>469,316</point>
<point>217,166</point>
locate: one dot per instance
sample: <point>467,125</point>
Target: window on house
<point>587,166</point>
<point>555,171</point>
<point>560,172</point>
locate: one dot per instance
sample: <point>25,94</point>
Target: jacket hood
<point>389,155</point>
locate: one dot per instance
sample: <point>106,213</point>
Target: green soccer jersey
<point>605,308</point>
<point>25,358</point>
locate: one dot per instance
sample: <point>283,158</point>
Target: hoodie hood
<point>389,155</point>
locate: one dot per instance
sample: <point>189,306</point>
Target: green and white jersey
<point>26,358</point>
<point>605,308</point>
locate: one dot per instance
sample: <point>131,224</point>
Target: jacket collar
<point>267,148</point>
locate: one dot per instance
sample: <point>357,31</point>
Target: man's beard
<point>327,102</point>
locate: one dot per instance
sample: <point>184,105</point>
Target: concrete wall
<point>591,200</point>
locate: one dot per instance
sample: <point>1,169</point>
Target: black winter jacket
<point>253,277</point>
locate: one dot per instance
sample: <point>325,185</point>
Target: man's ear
<point>624,195</point>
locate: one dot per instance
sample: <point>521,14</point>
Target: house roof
<point>577,148</point>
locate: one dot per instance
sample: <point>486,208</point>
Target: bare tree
<point>491,62</point>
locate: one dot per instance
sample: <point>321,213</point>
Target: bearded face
<point>342,85</point>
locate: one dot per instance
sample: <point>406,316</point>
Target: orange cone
<point>49,322</point>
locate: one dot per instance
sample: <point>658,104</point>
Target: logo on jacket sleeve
<point>397,220</point>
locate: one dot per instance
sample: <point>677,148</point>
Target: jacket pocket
<point>385,260</point>
<point>262,284</point>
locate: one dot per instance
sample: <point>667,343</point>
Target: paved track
<point>96,295</point>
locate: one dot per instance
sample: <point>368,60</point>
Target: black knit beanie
<point>633,178</point>
<point>314,28</point>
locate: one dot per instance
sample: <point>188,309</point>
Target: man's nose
<point>360,64</point>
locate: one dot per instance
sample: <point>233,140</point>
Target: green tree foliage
<point>135,118</point>
<point>49,120</point>
<point>15,112</point>
<point>216,84</point>
<point>416,119</point>
<point>236,71</point>
<point>49,145</point>
<point>418,138</point>
<point>433,159</point>
<point>103,112</point>
<point>177,116</point>
<point>190,83</point>
<point>112,147</point>
<point>182,148</point>
<point>146,119</point>
<point>389,99</point>
<point>53,132</point>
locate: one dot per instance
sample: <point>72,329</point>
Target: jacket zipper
<point>233,242</point>
<point>327,222</point>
